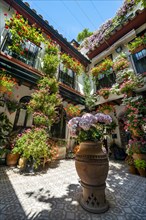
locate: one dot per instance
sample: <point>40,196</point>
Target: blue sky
<point>71,17</point>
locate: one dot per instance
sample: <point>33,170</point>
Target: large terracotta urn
<point>92,166</point>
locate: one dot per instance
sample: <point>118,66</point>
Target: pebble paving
<point>53,194</point>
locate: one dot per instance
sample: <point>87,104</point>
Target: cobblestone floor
<point>53,195</point>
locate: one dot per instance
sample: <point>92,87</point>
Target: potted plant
<point>72,110</point>
<point>91,163</point>
<point>105,92</point>
<point>33,144</point>
<point>127,87</point>
<point>106,108</point>
<point>141,166</point>
<point>21,32</point>
<point>105,67</point>
<point>72,63</point>
<point>6,82</point>
<point>120,63</point>
<point>12,105</point>
<point>130,161</point>
<point>138,44</point>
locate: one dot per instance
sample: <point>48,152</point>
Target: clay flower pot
<point>92,167</point>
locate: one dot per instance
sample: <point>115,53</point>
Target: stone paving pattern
<point>54,194</point>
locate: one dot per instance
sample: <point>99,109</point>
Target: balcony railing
<point>107,81</point>
<point>30,51</point>
<point>67,78</point>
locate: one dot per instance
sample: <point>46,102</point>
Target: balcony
<point>67,77</point>
<point>106,81</point>
<point>29,56</point>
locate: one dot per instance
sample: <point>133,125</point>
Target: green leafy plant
<point>72,63</point>
<point>90,99</point>
<point>45,100</point>
<point>89,127</point>
<point>105,107</point>
<point>72,110</point>
<point>34,145</point>
<point>104,67</point>
<point>120,63</point>
<point>6,82</point>
<point>50,59</point>
<point>21,32</point>
<point>140,163</point>
<point>12,105</point>
<point>5,129</point>
<point>105,92</point>
<point>137,42</point>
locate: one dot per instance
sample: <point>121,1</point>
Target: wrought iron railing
<point>107,81</point>
<point>65,78</point>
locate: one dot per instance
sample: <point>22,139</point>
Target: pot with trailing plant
<point>91,162</point>
<point>141,166</point>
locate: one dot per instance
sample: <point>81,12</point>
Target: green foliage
<point>140,163</point>
<point>94,134</point>
<point>5,129</point>
<point>84,34</point>
<point>143,2</point>
<point>72,63</point>
<point>90,100</point>
<point>138,41</point>
<point>50,64</point>
<point>33,145</point>
<point>22,32</point>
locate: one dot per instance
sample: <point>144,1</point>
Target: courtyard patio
<point>53,194</point>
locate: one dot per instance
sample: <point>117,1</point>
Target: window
<point>23,119</point>
<point>106,81</point>
<point>140,61</point>
<point>66,76</point>
<point>30,51</point>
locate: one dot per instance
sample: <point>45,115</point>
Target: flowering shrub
<point>6,82</point>
<point>40,119</point>
<point>137,42</point>
<point>34,144</point>
<point>72,64</point>
<point>120,63</point>
<point>127,86</point>
<point>105,92</point>
<point>22,32</point>
<point>135,109</point>
<point>136,146</point>
<point>89,127</point>
<point>72,110</point>
<point>103,68</point>
<point>45,100</point>
<point>105,29</point>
